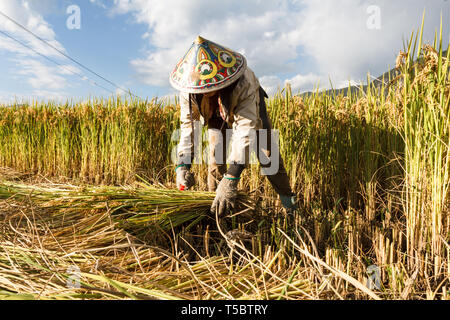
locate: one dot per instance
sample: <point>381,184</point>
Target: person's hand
<point>226,194</point>
<point>185,178</point>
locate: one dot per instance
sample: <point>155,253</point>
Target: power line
<point>55,62</point>
<point>64,54</point>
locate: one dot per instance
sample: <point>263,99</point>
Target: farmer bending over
<point>217,85</point>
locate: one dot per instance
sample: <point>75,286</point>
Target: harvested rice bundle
<point>139,206</point>
<point>40,260</point>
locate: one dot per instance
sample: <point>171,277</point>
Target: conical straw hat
<point>207,67</point>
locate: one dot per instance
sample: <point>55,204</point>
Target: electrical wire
<point>55,62</point>
<point>66,55</point>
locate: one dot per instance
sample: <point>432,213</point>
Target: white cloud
<point>335,33</point>
<point>305,82</point>
<point>298,83</point>
<point>47,95</point>
<point>262,30</point>
<point>25,14</point>
<point>98,3</point>
<point>39,75</point>
<point>270,84</point>
<point>7,98</point>
<point>332,36</point>
<point>44,79</point>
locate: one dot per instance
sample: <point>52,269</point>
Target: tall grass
<point>426,102</point>
<point>99,141</point>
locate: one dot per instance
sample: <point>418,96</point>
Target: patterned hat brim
<point>207,55</point>
<point>225,83</point>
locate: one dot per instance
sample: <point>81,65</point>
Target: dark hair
<point>224,94</point>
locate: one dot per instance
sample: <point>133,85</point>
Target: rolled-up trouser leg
<point>267,153</point>
<point>217,166</point>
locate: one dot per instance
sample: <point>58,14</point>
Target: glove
<point>226,194</point>
<point>185,179</point>
<point>289,202</point>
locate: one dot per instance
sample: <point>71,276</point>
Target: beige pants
<point>217,166</point>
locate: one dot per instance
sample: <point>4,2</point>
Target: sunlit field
<point>90,187</point>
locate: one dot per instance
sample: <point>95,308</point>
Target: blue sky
<point>106,45</point>
<point>135,43</point>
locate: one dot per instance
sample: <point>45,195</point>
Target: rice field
<point>89,210</point>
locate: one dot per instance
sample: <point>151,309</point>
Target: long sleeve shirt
<point>244,119</point>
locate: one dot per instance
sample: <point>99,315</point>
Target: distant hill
<point>378,82</point>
